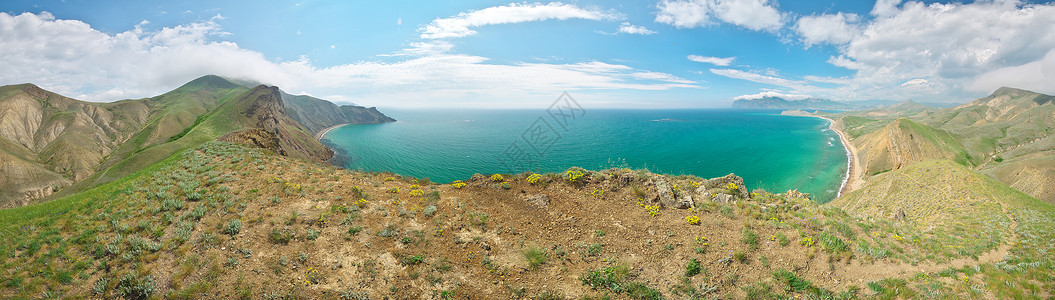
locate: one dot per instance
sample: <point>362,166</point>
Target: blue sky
<point>634,54</point>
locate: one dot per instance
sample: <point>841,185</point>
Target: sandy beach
<point>853,179</point>
<point>321,134</point>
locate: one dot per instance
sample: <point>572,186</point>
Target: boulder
<point>684,202</point>
<point>722,182</point>
<point>665,195</point>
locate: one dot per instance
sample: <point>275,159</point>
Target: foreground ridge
<point>225,221</point>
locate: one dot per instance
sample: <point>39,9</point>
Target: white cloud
<point>767,79</point>
<point>771,94</point>
<point>836,29</point>
<point>462,24</point>
<point>634,29</point>
<point>717,61</point>
<point>71,58</point>
<point>1036,76</point>
<point>960,50</point>
<point>885,8</point>
<point>758,15</point>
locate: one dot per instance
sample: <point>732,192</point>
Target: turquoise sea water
<point>768,150</point>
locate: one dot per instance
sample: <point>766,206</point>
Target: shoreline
<point>851,181</point>
<point>322,133</point>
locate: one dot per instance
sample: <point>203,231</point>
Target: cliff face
<point>317,114</point>
<point>271,128</point>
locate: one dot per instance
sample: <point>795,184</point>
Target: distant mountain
<point>49,142</point>
<point>317,114</point>
<point>781,103</point>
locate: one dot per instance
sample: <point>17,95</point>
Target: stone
<point>684,202</point>
<point>538,200</point>
<point>665,195</point>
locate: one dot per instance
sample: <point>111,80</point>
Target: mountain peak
<point>211,81</point>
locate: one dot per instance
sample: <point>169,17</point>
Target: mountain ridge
<point>55,142</point>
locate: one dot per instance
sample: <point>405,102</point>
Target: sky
<point>500,54</point>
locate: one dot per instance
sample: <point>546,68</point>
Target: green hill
<point>51,143</point>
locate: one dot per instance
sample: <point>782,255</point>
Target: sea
<point>770,151</point>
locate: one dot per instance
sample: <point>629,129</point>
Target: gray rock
<point>539,200</point>
<point>723,198</point>
<point>684,203</point>
<point>666,196</point>
<point>722,182</point>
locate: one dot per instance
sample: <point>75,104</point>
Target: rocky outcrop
<point>271,128</point>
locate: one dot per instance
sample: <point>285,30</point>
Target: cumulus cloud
<point>717,61</point>
<point>937,51</point>
<point>835,29</point>
<point>462,24</point>
<point>758,15</point>
<point>1037,76</point>
<point>71,58</point>
<point>772,94</point>
<point>627,28</point>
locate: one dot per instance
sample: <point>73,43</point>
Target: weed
<point>740,256</point>
<point>750,238</point>
<point>233,227</point>
<point>692,268</point>
<point>598,233</point>
<point>282,236</point>
<point>311,234</point>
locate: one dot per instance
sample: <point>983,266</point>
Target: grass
<point>535,256</point>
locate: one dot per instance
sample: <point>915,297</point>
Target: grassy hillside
<point>50,142</point>
<point>223,221</point>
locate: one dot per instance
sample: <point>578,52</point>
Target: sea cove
<point>768,150</point>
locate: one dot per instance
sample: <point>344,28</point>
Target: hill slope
<point>49,142</point>
<point>904,142</point>
<point>224,221</point>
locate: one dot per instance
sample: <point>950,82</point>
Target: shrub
<point>132,287</point>
<point>430,210</point>
<point>233,227</point>
<point>693,220</point>
<point>693,268</point>
<point>534,178</point>
<point>458,184</point>
<point>574,175</point>
<point>497,177</point>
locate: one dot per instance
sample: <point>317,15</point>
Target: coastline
<point>322,133</point>
<point>852,180</point>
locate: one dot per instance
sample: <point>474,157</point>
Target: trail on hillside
<point>857,273</point>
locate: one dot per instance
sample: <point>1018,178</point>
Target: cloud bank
<point>72,58</point>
